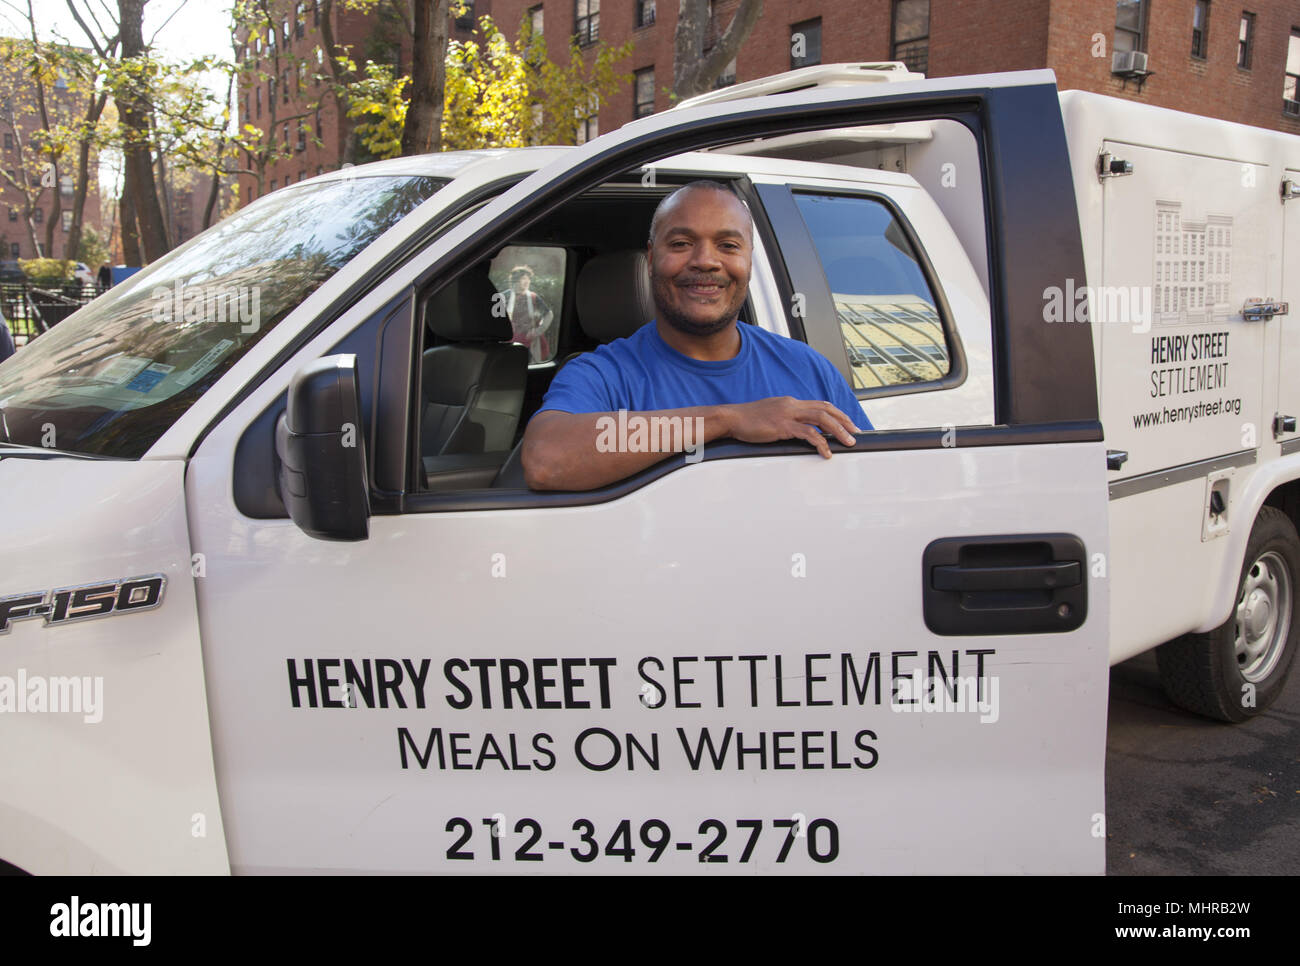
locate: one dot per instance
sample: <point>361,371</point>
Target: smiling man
<point>694,366</point>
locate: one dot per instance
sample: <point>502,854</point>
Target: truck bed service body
<point>275,596</point>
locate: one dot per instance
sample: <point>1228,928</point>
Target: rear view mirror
<point>322,452</point>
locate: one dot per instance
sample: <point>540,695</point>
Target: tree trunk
<point>150,229</point>
<point>83,174</point>
<point>126,209</point>
<point>694,71</point>
<point>213,195</point>
<point>53,223</point>
<point>347,146</point>
<point>423,131</point>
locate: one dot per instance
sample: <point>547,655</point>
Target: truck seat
<point>473,387</point>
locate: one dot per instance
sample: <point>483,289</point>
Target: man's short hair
<point>702,184</point>
<point>519,270</point>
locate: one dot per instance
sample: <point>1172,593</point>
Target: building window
<point>259,101</point>
<point>67,220</point>
<point>1201,29</point>
<point>806,43</point>
<point>257,46</point>
<point>644,104</point>
<point>286,138</point>
<point>320,169</point>
<point>9,141</point>
<point>302,139</point>
<point>65,185</point>
<point>911,34</point>
<point>1130,25</point>
<point>588,128</point>
<point>645,12</point>
<point>38,215</point>
<point>273,184</point>
<point>535,19</point>
<point>300,20</point>
<point>284,26</point>
<point>14,249</point>
<point>1289,89</point>
<point>315,13</point>
<point>13,214</point>
<point>586,21</point>
<point>284,86</point>
<point>318,126</point>
<point>466,20</point>
<point>1245,40</point>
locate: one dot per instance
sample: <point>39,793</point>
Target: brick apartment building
<point>292,102</point>
<point>29,226</point>
<point>1236,61</point>
<point>1228,60</point>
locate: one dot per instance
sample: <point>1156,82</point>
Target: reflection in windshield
<point>113,377</point>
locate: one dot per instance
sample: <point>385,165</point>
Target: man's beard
<point>683,323</point>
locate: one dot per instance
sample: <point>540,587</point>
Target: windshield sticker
<point>121,369</point>
<point>201,367</point>
<point>146,379</point>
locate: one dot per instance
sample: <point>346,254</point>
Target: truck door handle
<point>1004,584</point>
<point>1028,577</point>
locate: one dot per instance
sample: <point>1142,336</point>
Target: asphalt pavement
<point>1190,796</point>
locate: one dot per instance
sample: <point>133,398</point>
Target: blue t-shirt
<point>642,373</point>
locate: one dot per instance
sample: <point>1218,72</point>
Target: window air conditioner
<point>1128,62</point>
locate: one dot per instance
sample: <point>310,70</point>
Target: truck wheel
<point>1238,669</point>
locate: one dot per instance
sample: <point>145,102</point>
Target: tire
<point>1237,670</point>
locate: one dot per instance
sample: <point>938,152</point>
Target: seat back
<point>474,387</point>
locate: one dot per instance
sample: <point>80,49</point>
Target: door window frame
<point>1029,408</point>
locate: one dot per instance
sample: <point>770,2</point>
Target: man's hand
<point>782,417</point>
<point>560,452</point>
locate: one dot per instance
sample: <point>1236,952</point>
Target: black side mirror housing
<point>321,448</point>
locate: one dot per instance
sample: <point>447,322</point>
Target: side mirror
<point>322,452</point>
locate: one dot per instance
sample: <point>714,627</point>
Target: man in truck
<point>693,362</point>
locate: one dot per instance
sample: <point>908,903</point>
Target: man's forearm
<point>584,451</point>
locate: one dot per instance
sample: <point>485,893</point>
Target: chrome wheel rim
<point>1263,618</point>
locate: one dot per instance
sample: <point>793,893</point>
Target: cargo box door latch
<point>1109,166</point>
<point>1263,309</point>
<point>1021,584</point>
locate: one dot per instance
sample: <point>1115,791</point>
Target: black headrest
<point>468,310</point>
<point>614,298</point>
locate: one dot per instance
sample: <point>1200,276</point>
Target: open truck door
<point>757,661</point>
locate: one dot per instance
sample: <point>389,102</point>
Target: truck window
<point>111,379</point>
<point>891,328</point>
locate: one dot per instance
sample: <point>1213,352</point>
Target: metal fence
<point>31,309</point>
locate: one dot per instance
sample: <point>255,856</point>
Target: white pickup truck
<point>275,597</point>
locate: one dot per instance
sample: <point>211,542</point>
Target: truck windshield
<point>112,378</point>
